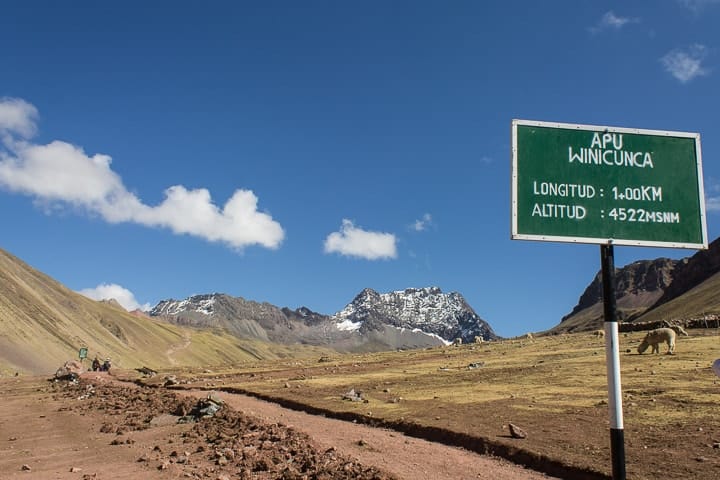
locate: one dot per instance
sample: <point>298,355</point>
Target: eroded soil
<point>99,428</point>
<point>290,418</point>
<point>554,388</point>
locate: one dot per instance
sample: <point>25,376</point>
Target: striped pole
<point>612,359</point>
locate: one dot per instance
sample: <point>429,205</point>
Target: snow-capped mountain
<point>240,317</point>
<point>197,303</point>
<point>429,310</point>
<point>411,318</point>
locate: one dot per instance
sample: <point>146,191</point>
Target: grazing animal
<point>679,330</point>
<point>457,342</point>
<point>599,333</point>
<point>479,339</point>
<point>529,336</point>
<point>655,338</point>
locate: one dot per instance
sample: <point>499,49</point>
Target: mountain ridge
<point>448,316</point>
<point>44,323</point>
<point>651,290</point>
<point>372,321</point>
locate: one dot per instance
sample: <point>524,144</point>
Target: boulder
<point>70,370</point>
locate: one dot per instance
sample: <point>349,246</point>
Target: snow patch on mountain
<point>410,318</point>
<point>429,310</point>
<point>417,330</point>
<point>349,326</point>
<point>198,303</point>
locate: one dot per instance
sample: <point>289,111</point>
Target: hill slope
<point>695,288</point>
<point>697,302</point>
<point>43,324</point>
<point>651,290</point>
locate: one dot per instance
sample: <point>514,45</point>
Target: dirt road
<point>402,456</point>
<point>99,429</point>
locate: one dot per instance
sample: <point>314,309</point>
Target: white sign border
<point>514,235</point>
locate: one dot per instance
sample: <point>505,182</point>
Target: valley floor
<point>105,429</point>
<point>554,388</point>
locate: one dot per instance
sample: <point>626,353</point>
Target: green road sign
<point>82,353</point>
<point>591,184</point>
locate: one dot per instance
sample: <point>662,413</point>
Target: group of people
<point>101,367</point>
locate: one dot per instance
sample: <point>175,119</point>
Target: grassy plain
<point>554,388</point>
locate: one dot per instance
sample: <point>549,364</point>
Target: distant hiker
<point>106,365</point>
<point>96,365</point>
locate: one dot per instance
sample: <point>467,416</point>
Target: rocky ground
<point>99,428</point>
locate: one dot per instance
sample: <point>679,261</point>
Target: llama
<point>679,330</point>
<point>655,337</point>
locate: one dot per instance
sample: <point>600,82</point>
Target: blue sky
<point>298,152</point>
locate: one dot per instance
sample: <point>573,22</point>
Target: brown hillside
<point>690,274</point>
<point>653,290</point>
<point>43,324</point>
<point>638,286</point>
<point>697,302</point>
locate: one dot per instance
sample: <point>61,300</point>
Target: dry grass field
<point>44,324</point>
<point>554,388</point>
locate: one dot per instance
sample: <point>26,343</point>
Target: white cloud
<point>686,64</point>
<point>712,198</point>
<point>17,117</point>
<point>697,5</point>
<point>712,204</point>
<point>611,21</point>
<point>60,173</point>
<point>423,223</point>
<point>108,291</point>
<point>353,241</point>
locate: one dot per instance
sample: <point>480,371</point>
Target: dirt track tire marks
<point>170,352</point>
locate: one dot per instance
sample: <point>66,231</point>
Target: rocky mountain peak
<point>367,295</point>
<point>414,317</point>
<point>305,315</point>
<point>204,304</point>
<point>426,309</point>
<point>422,291</point>
<point>692,271</point>
<point>637,286</point>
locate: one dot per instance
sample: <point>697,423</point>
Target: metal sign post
<point>607,186</point>
<point>612,359</point>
